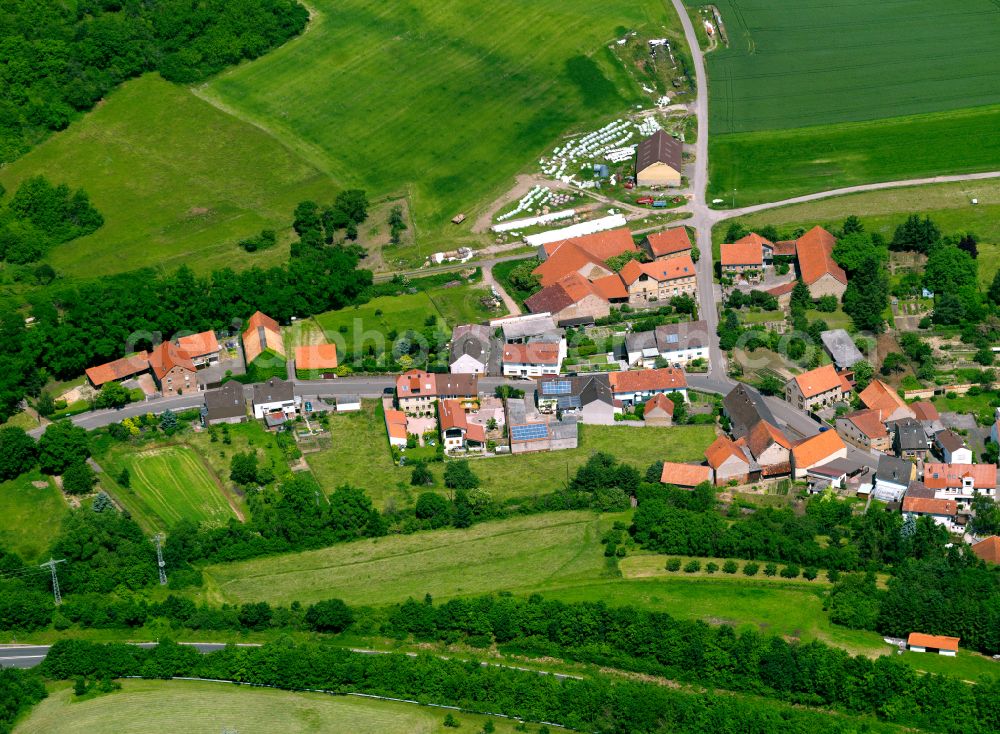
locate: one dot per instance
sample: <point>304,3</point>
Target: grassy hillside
<point>144,706</point>
<point>442,99</point>
<point>795,63</point>
<point>30,516</point>
<point>178,182</point>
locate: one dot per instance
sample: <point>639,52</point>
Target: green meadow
<point>178,181</point>
<point>442,100</point>
<point>814,95</point>
<point>30,516</point>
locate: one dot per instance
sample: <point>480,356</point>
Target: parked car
<point>660,204</point>
<point>644,200</point>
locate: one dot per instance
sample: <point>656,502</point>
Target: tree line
<point>597,703</point>
<point>59,59</point>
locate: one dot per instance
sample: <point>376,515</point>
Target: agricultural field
<point>795,94</point>
<point>30,515</point>
<point>169,484</point>
<point>558,555</point>
<point>178,181</point>
<point>358,454</point>
<point>442,101</point>
<point>195,706</point>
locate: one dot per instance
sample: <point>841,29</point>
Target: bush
<point>730,566</point>
<point>833,575</point>
<point>692,566</point>
<point>331,615</point>
<point>711,567</point>
<point>750,569</point>
<point>810,573</point>
<point>790,572</point>
<point>673,564</point>
<point>771,569</point>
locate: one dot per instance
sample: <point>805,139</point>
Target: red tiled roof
<point>762,435</point>
<point>755,239</point>
<point>938,642</point>
<point>666,378</point>
<point>741,253</point>
<point>531,353</point>
<point>818,381</point>
<point>780,290</point>
<point>817,449</point>
<point>609,287</point>
<point>659,270</point>
<point>815,254</point>
<point>262,333</point>
<point>419,382</point>
<point>784,248</point>
<point>942,476</point>
<point>601,245</point>
<point>476,432</point>
<point>198,345</point>
<point>395,423</point>
<point>924,410</point>
<point>660,401</point>
<point>721,450</point>
<point>669,241</point>
<point>574,255</point>
<point>869,422</point>
<point>988,549</point>
<point>928,506</point>
<point>166,356</point>
<point>452,415</point>
<point>119,369</point>
<point>879,396</point>
<point>685,475</point>
<point>316,357</point>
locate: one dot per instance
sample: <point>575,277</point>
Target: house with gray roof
<point>841,348</point>
<point>909,439</point>
<point>587,396</point>
<point>226,404</point>
<point>474,350</point>
<point>745,407</point>
<point>892,478</point>
<point>678,344</point>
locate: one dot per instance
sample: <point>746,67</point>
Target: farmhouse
<point>531,431</point>
<point>942,512</point>
<point>909,440</point>
<point>817,267</point>
<point>119,369</point>
<point>685,476</point>
<point>741,257</point>
<point>952,447</point>
<point>417,390</point>
<point>262,335</point>
<point>864,429</point>
<point>659,280</point>
<point>678,344</point>
<point>574,299</point>
<point>225,404</point>
<point>879,396</point>
<point>919,642</point>
<point>841,348</point>
<point>892,478</point>
<point>659,161</point>
<point>635,386</point>
<point>321,358</point>
<point>816,388</point>
<point>202,348</point>
<point>586,396</point>
<point>586,255</point>
<point>731,462</point>
<point>275,396</point>
<point>669,243</point>
<point>988,549</point>
<point>770,448</point>
<point>533,359</point>
<point>474,351</point>
<point>961,482</point>
<point>457,432</point>
<point>658,411</point>
<point>815,451</point>
<point>744,407</point>
<point>172,369</point>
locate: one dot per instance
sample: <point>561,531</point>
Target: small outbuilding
<point>919,642</point>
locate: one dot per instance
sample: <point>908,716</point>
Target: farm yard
<point>196,706</point>
<point>445,101</point>
<point>777,125</point>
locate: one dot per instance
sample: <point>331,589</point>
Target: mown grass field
<point>443,100</point>
<point>358,454</point>
<point>558,555</point>
<point>169,484</point>
<point>178,181</point>
<point>796,71</point>
<point>30,516</point>
<point>144,706</point>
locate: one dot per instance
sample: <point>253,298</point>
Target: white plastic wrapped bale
<point>576,230</point>
<point>531,221</point>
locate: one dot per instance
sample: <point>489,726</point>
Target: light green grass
<point>795,63</point>
<point>178,182</point>
<point>30,517</point>
<point>834,319</point>
<point>358,454</point>
<point>761,317</point>
<point>775,165</point>
<point>966,665</point>
<point>443,100</point>
<point>144,706</point>
<point>172,483</point>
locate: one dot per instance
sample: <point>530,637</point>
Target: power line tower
<point>161,566</point>
<point>51,565</point>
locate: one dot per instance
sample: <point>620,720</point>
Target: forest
<point>39,216</point>
<point>58,59</point>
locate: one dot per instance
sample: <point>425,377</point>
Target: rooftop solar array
<point>529,432</point>
<point>557,387</point>
<point>567,402</point>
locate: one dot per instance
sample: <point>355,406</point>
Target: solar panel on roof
<point>529,432</point>
<point>566,402</point>
<point>557,387</point>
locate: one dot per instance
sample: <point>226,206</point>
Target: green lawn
<point>30,516</point>
<point>144,706</point>
<point>178,182</point>
<point>835,319</point>
<point>358,454</point>
<point>443,100</point>
<point>966,665</point>
<point>558,555</point>
<point>168,484</point>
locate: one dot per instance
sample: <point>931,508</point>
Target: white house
<point>678,344</point>
<point>952,447</point>
<point>942,512</point>
<point>892,477</point>
<point>634,386</point>
<point>533,359</point>
<point>472,347</point>
<point>961,482</point>
<point>275,396</point>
